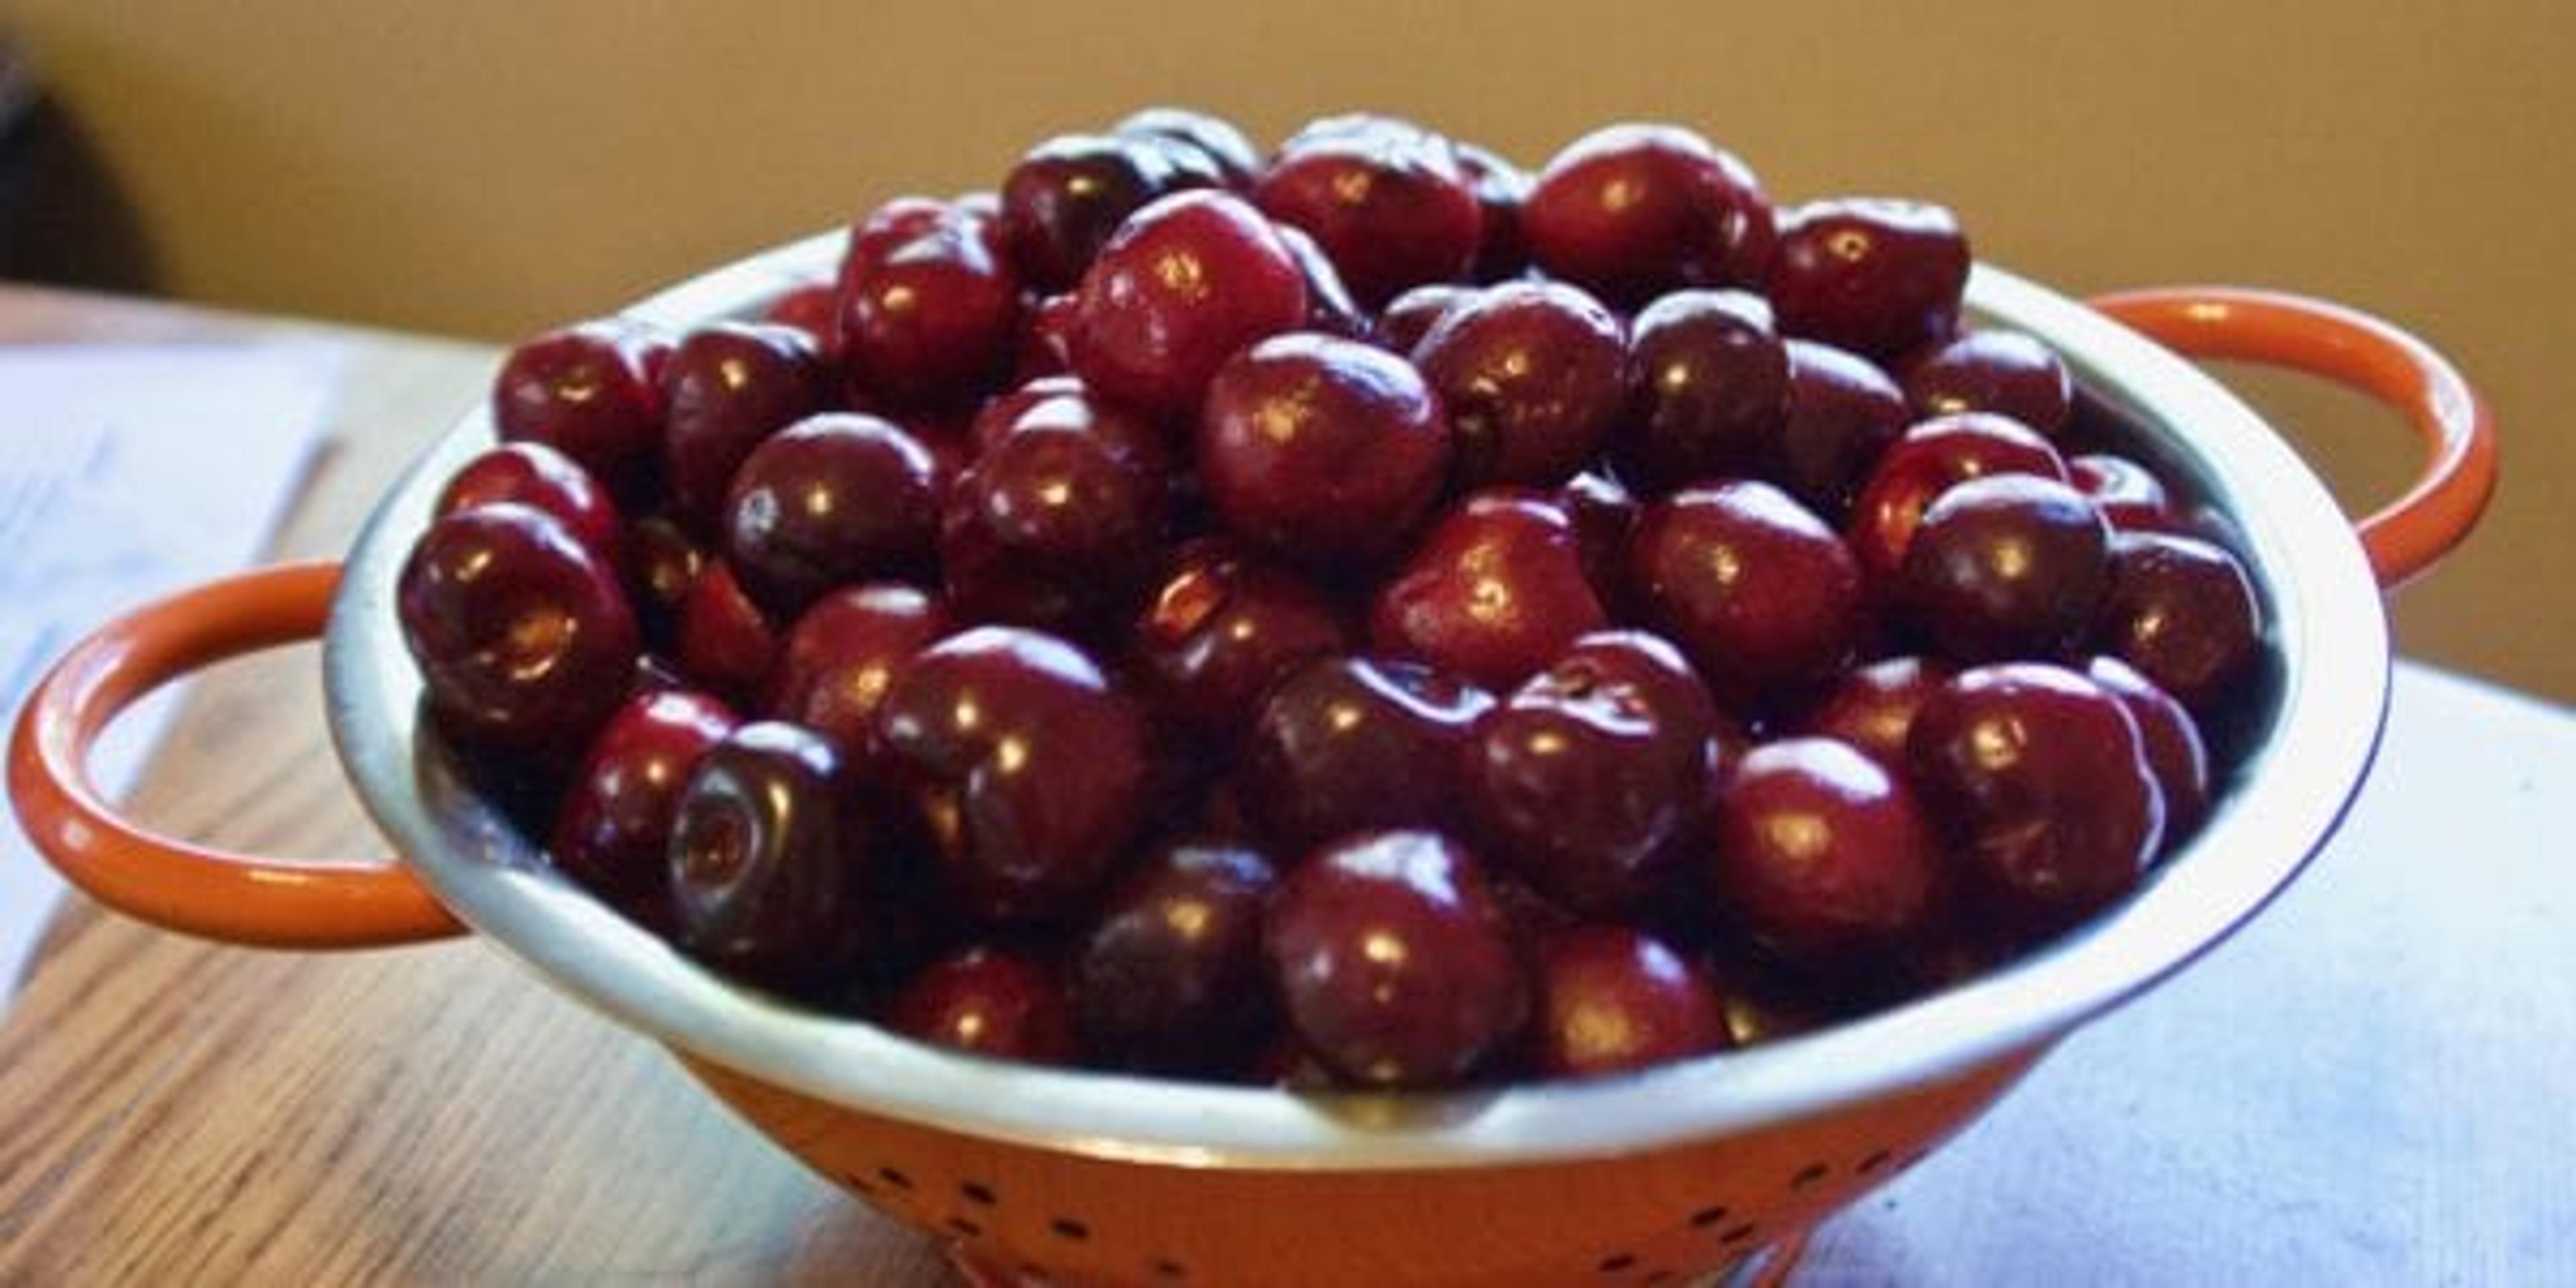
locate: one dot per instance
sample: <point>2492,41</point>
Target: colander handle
<point>2409,534</point>
<point>176,884</point>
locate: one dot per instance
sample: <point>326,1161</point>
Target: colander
<point>1695,1170</point>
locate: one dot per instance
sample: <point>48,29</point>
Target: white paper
<point>128,472</point>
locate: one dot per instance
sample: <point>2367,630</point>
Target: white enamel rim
<point>2329,629</point>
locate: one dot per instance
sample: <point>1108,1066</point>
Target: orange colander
<point>1031,1175</point>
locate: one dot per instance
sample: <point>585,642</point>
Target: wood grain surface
<point>2367,1086</point>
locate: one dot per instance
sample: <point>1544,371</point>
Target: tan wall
<point>484,167</point>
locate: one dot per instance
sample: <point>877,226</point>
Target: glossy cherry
<point>989,1000</point>
<point>2130,496</point>
<point>1586,778</point>
<point>1395,965</point>
<point>522,635</point>
<point>1496,590</point>
<point>1388,203</point>
<point>532,474</point>
<point>1321,450</point>
<point>1823,856</point>
<point>1059,517</point>
<point>1410,316</point>
<point>1932,457</point>
<point>1031,771</point>
<point>2171,738</point>
<point>1219,628</point>
<point>2006,566</point>
<point>933,318</point>
<point>1170,974</point>
<point>1501,189</point>
<point>1762,596</point>
<point>724,640</point>
<point>1067,195</point>
<point>1632,211</point>
<point>767,860</point>
<point>2041,781</point>
<point>2183,611</point>
<point>1214,137</point>
<point>1880,278</point>
<point>591,392</point>
<point>1533,376</point>
<point>840,658</point>
<point>612,829</point>
<point>1346,744</point>
<point>833,498</point>
<point>1844,413</point>
<point>1180,287</point>
<point>1710,391</point>
<point>1613,999</point>
<point>1872,708</point>
<point>2009,373</point>
<point>729,386</point>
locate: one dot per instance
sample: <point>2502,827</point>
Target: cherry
<point>1410,316</point>
<point>932,317</point>
<point>724,639</point>
<point>2043,785</point>
<point>766,859</point>
<point>1603,513</point>
<point>1320,450</point>
<point>1494,590</point>
<point>1219,628</point>
<point>1047,348</point>
<point>1711,391</point>
<point>2183,612</point>
<point>841,657</point>
<point>883,231</point>
<point>730,386</point>
<point>1612,999</point>
<point>1761,595</point>
<point>1180,287</point>
<point>2010,373</point>
<point>591,392</point>
<point>2006,566</point>
<point>1213,137</point>
<point>662,563</point>
<point>613,826</point>
<point>1060,516</point>
<point>813,308</point>
<point>2171,739</point>
<point>523,639</point>
<point>1068,194</point>
<point>1346,744</point>
<point>1386,200</point>
<point>1532,374</point>
<point>1501,188</point>
<point>1330,307</point>
<point>1632,211</point>
<point>1872,709</point>
<point>532,474</point>
<point>1031,771</point>
<point>1394,962</point>
<point>833,498</point>
<point>1843,415</point>
<point>1880,278</point>
<point>1932,457</point>
<point>1584,780</point>
<point>989,1000</point>
<point>1823,856</point>
<point>2130,496</point>
<point>1170,976</point>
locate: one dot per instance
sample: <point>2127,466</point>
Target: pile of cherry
<point>1366,614</point>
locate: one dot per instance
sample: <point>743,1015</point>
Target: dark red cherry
<point>533,474</point>
<point>1880,278</point>
<point>1183,285</point>
<point>523,637</point>
<point>1612,999</point>
<point>1321,450</point>
<point>2182,611</point>
<point>1067,195</point>
<point>990,1001</point>
<point>1932,457</point>
<point>1346,744</point>
<point>1213,136</point>
<point>1218,629</point>
<point>662,562</point>
<point>1394,962</point>
<point>1495,590</point>
<point>932,320</point>
<point>1603,513</point>
<point>2131,497</point>
<point>1630,212</point>
<point>591,392</point>
<point>1170,976</point>
<point>1389,205</point>
<point>1031,771</point>
<point>1330,307</point>
<point>2010,373</point>
<point>813,308</point>
<point>2006,566</point>
<point>1060,516</point>
<point>841,657</point>
<point>767,861</point>
<point>1584,780</point>
<point>2041,781</point>
<point>885,229</point>
<point>2172,741</point>
<point>1710,391</point>
<point>1533,376</point>
<point>1843,415</point>
<point>1823,857</point>
<point>1501,189</point>
<point>729,386</point>
<point>834,498</point>
<point>1410,316</point>
<point>612,830</point>
<point>1761,595</point>
<point>1872,707</point>
<point>724,640</point>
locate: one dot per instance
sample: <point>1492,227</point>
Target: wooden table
<point>2369,1085</point>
